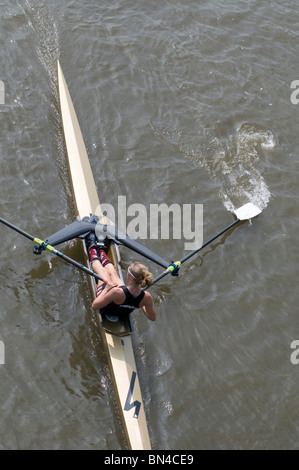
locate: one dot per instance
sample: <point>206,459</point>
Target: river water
<point>185,102</point>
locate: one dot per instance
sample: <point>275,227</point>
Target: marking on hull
<point>136,404</point>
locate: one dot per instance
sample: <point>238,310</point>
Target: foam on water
<point>233,162</point>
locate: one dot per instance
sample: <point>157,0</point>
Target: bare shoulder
<point>147,297</point>
<point>118,295</point>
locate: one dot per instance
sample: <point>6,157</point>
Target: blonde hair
<point>141,274</point>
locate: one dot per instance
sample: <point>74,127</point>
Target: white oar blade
<point>248,211</point>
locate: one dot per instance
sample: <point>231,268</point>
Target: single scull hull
<point>116,337</point>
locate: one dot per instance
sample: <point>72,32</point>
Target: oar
<point>45,246</point>
<point>246,212</point>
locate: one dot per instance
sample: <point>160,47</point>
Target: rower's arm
<point>112,294</point>
<point>147,306</point>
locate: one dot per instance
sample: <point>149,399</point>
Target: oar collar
<point>174,267</point>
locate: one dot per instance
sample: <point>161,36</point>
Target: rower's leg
<point>112,274</point>
<point>100,262</point>
<point>103,268</point>
<point>109,267</point>
<point>99,270</point>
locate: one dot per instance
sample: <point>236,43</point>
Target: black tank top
<point>129,304</point>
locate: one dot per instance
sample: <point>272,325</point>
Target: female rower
<point>114,298</point>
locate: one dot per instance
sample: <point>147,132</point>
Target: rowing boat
<point>116,336</point>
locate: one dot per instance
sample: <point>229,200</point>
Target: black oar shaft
<point>192,253</point>
<point>51,249</point>
<point>17,229</point>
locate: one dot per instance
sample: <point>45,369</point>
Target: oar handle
<point>158,278</point>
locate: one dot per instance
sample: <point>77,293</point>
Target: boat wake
<point>46,35</point>
<point>231,162</point>
<point>45,27</point>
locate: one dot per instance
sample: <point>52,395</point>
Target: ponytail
<point>141,275</point>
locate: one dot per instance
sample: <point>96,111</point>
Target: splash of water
<point>233,162</point>
<point>242,181</point>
